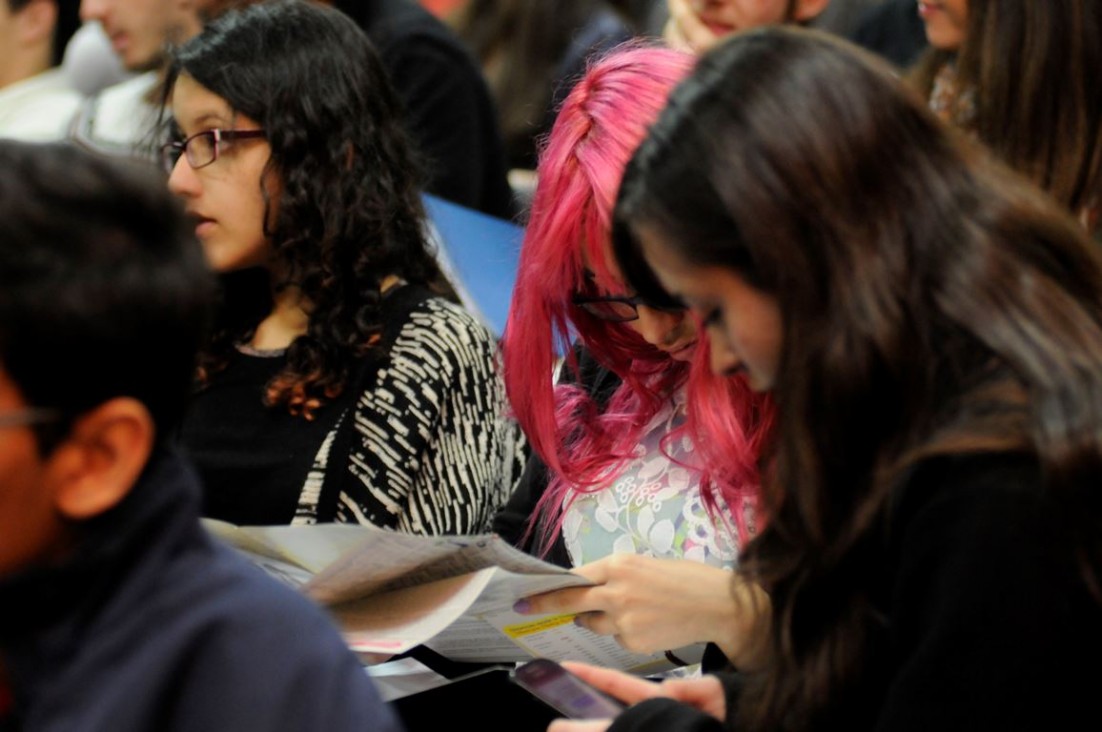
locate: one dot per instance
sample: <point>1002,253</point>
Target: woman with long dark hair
<point>341,382</point>
<point>930,328</point>
<point>1025,78</point>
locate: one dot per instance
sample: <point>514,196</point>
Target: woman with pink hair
<point>642,458</point>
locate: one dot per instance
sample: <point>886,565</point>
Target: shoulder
<point>976,502</point>
<point>439,326</point>
<point>424,57</point>
<point>130,93</point>
<point>398,27</point>
<point>222,645</point>
<point>986,595</point>
<point>252,621</point>
<point>38,109</point>
<point>120,115</point>
<point>976,527</point>
<point>963,482</point>
<point>231,599</point>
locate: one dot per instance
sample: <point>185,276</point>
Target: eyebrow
<point>205,120</point>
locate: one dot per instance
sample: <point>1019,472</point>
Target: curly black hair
<point>349,210</point>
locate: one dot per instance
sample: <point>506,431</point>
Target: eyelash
<point>714,317</point>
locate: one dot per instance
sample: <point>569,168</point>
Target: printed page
<point>311,548</point>
<point>395,622</point>
<point>558,638</point>
<point>353,561</point>
<point>472,640</point>
<point>289,574</point>
<point>491,632</point>
<point>387,561</point>
<point>391,592</point>
<point>404,677</point>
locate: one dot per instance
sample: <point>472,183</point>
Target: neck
<point>288,320</point>
<point>22,66</point>
<point>389,283</point>
<point>290,317</point>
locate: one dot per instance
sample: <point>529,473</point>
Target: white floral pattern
<point>653,507</point>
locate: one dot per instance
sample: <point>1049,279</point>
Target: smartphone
<point>565,692</point>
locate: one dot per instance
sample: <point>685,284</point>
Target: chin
<point>758,384</point>
<point>944,39</point>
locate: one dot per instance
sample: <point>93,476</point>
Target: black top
<point>451,114</point>
<point>253,458</point>
<point>152,625</point>
<point>416,441</point>
<point>986,623</point>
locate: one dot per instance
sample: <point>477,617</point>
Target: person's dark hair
<point>933,303</point>
<point>104,291</point>
<point>68,20</point>
<point>522,45</point>
<point>1031,75</point>
<point>349,211</point>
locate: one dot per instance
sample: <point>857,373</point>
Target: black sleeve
<point>511,522</point>
<point>992,627</point>
<point>667,715</point>
<point>664,715</point>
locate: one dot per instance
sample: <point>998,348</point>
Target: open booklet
<point>390,592</point>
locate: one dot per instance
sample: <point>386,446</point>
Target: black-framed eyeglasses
<point>28,417</point>
<point>203,148</point>
<point>617,308</point>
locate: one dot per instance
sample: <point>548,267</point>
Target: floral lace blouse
<point>652,507</point>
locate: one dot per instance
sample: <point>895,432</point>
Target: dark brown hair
<point>1033,71</point>
<point>933,304</point>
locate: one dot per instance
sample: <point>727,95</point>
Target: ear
<point>806,10</point>
<point>102,458</point>
<point>36,22</point>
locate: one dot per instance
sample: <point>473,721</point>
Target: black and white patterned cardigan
<point>428,447</point>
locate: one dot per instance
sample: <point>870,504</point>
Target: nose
<point>657,327</point>
<point>183,181</point>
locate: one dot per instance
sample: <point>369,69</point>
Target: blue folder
<point>479,254</point>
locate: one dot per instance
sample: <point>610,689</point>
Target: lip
<point>720,30</point>
<point>926,9</point>
<point>120,41</point>
<point>203,224</point>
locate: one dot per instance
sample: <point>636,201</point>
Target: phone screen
<point>564,691</point>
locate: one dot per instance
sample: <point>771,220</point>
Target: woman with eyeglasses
<point>641,460</point>
<point>341,381</point>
